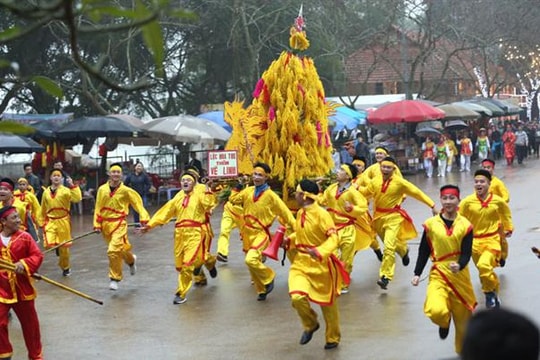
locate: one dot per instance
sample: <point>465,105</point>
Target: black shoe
<point>197,271</point>
<point>261,297</point>
<point>379,254</point>
<point>383,282</point>
<point>502,262</point>
<point>202,282</point>
<point>213,272</point>
<point>269,287</point>
<point>222,258</point>
<point>329,346</point>
<point>307,335</point>
<point>492,302</point>
<point>66,272</point>
<point>443,332</point>
<point>405,260</point>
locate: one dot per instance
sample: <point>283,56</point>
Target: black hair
<point>450,186</point>
<point>265,167</point>
<point>9,181</point>
<point>309,186</point>
<point>498,334</point>
<point>482,172</point>
<point>354,170</point>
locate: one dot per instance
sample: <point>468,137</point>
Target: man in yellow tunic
<point>31,203</point>
<point>391,222</point>
<point>190,207</point>
<point>374,170</point>
<point>110,218</point>
<point>55,216</point>
<point>365,234</point>
<point>315,272</point>
<point>260,207</point>
<point>498,187</point>
<point>346,205</point>
<point>487,212</point>
<point>8,198</point>
<point>447,240</point>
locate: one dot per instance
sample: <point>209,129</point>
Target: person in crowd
<point>362,149</point>
<point>260,205</point>
<point>33,180</point>
<point>466,150</point>
<point>196,163</point>
<point>374,170</point>
<point>190,207</point>
<point>16,290</point>
<point>500,334</point>
<point>522,144</point>
<point>487,212</point>
<point>391,222</point>
<point>139,181</point>
<point>453,154</point>
<point>496,142</point>
<point>55,216</point>
<point>346,205</point>
<point>482,144</point>
<point>33,209</point>
<point>447,240</point>
<point>59,165</point>
<point>336,160</point>
<point>509,141</point>
<point>428,156</point>
<point>497,187</point>
<point>315,271</point>
<point>442,153</point>
<point>113,200</point>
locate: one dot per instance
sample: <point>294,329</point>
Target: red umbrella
<point>405,111</point>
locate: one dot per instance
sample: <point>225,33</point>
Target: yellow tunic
<point>318,279</point>
<point>190,231</point>
<point>498,188</point>
<point>258,215</point>
<point>374,170</point>
<point>31,202</point>
<point>55,214</point>
<point>387,197</point>
<point>448,294</point>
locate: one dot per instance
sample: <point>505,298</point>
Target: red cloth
<point>21,296</point>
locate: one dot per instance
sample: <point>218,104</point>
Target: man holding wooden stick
<point>18,249</point>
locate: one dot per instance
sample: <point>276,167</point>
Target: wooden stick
<point>77,238</point>
<point>11,267</point>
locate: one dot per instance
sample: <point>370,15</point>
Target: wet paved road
<point>224,321</point>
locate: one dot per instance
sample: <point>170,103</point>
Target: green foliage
<point>48,85</point>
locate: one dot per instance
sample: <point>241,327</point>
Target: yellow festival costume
<point>258,215</point>
<point>346,221</point>
<point>318,280</point>
<point>498,187</point>
<point>190,233</point>
<point>31,203</point>
<point>449,295</point>
<point>487,217</point>
<point>391,222</point>
<point>56,219</point>
<point>110,216</point>
<point>365,234</point>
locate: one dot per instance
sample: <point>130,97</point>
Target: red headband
<point>6,184</point>
<point>450,191</point>
<point>8,212</point>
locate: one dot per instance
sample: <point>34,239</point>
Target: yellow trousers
<point>347,239</point>
<point>375,245</point>
<point>485,262</point>
<point>308,317</point>
<point>227,225</point>
<point>441,304</point>
<point>388,228</point>
<point>261,274</point>
<point>118,248</point>
<point>63,258</point>
<point>504,247</point>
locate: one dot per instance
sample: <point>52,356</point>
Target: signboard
<point>222,163</point>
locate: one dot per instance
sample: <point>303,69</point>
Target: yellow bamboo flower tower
<point>286,125</point>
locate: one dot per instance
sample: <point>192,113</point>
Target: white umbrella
<point>186,128</point>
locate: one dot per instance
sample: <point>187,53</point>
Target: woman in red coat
<point>509,140</point>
